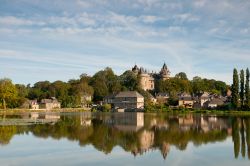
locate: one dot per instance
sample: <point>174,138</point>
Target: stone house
<point>185,100</point>
<point>30,104</point>
<point>214,103</point>
<point>86,100</point>
<point>110,99</point>
<point>49,104</point>
<point>33,104</point>
<point>162,97</point>
<point>203,98</point>
<point>129,100</point>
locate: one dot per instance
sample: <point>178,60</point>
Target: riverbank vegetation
<point>106,82</point>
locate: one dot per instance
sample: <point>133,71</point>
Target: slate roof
<point>129,94</point>
<point>216,101</point>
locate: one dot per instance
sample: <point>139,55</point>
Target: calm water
<point>124,139</point>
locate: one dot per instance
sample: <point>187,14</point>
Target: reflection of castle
<point>147,79</point>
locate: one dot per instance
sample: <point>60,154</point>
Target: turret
<point>136,69</point>
<point>164,73</point>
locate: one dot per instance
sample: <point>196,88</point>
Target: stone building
<point>129,100</point>
<point>49,104</point>
<point>185,100</point>
<point>148,79</point>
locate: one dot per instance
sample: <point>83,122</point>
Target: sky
<point>61,39</point>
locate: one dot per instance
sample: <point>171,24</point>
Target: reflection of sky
<point>29,150</point>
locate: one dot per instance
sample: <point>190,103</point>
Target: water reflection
<point>136,133</point>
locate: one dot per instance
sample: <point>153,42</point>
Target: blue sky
<point>60,39</point>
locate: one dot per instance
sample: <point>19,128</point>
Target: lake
<point>124,139</point>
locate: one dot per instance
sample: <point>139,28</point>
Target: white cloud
<point>11,20</point>
<point>186,17</point>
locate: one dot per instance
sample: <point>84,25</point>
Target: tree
<point>235,89</point>
<point>247,92</point>
<point>22,94</point>
<point>8,92</point>
<point>182,76</point>
<point>130,80</point>
<point>242,93</point>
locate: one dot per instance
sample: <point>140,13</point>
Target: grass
<point>15,111</point>
<point>178,111</point>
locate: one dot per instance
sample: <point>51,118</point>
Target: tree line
<point>101,84</point>
<point>240,90</point>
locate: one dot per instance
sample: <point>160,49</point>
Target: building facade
<point>129,100</point>
<point>49,104</point>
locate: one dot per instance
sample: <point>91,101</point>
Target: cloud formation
<point>200,37</point>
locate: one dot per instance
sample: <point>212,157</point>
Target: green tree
<point>242,88</point>
<point>130,80</point>
<point>8,92</point>
<point>22,94</point>
<point>182,76</point>
<point>235,89</point>
<point>247,92</point>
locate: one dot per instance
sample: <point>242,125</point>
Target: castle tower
<point>164,73</point>
<point>146,80</point>
<point>136,69</point>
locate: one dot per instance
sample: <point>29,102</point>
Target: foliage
<point>235,89</point>
<point>8,93</point>
<point>247,91</point>
<point>242,88</point>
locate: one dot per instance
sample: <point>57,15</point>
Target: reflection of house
<point>129,121</point>
<point>186,100</point>
<point>129,100</point>
<point>85,119</point>
<point>50,104</point>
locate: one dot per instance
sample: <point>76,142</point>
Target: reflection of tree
<point>243,140</point>
<point>6,133</point>
<point>236,136</point>
<point>247,120</point>
<point>161,134</point>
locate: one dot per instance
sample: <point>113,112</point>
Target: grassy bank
<point>14,111</point>
<point>157,111</point>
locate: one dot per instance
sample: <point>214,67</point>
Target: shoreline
<point>75,110</point>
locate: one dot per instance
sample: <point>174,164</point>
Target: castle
<point>148,79</point>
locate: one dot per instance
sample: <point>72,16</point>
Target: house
<point>30,104</point>
<point>110,99</point>
<point>186,100</point>
<point>86,100</point>
<point>33,104</point>
<point>162,97</point>
<point>49,104</point>
<point>152,99</point>
<point>129,100</point>
<point>214,103</point>
<point>203,98</point>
